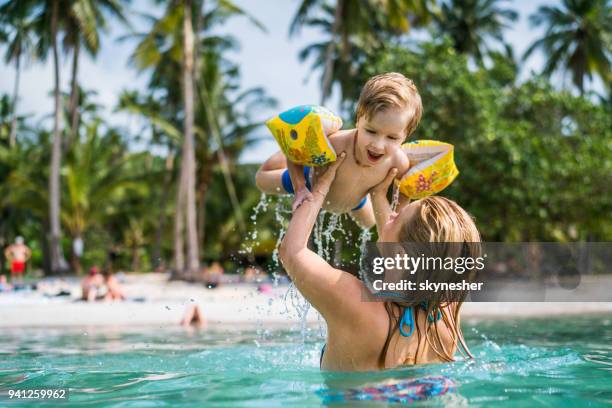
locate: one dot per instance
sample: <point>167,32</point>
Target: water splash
<point>327,232</point>
<point>251,241</point>
<point>282,222</point>
<point>364,237</point>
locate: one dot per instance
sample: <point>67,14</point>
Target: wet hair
<point>391,89</point>
<point>438,219</point>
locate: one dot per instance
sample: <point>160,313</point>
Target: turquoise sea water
<point>553,362</point>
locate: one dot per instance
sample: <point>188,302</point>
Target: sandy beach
<point>241,304</point>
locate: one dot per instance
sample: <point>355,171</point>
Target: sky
<point>267,59</point>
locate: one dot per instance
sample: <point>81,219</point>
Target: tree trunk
<point>179,223</point>
<point>58,263</point>
<point>328,71</point>
<point>13,134</point>
<point>74,97</point>
<point>193,262</point>
<point>135,264</point>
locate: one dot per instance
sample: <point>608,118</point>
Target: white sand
<point>231,304</point>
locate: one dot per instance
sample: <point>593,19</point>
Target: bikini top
<point>408,318</point>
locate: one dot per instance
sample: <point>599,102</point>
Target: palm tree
<point>365,18</point>
<point>577,39</point>
<point>17,20</point>
<point>188,165</point>
<point>170,49</point>
<point>49,20</point>
<point>83,22</point>
<point>471,23</point>
<point>344,69</point>
<point>228,120</point>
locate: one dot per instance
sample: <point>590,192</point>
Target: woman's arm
<point>331,291</point>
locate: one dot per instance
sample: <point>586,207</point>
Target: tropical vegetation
<point>534,153</point>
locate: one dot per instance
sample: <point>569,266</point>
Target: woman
<point>362,335</point>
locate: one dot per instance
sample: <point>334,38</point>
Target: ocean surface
<point>548,362</point>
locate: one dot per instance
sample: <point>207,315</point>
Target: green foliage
<point>535,162</point>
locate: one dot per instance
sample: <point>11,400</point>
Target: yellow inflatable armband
<point>302,132</point>
<point>432,168</point>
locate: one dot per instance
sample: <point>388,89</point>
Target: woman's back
<point>360,346</point>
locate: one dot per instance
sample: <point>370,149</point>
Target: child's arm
<point>269,176</point>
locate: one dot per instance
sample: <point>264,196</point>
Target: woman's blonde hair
<point>438,220</point>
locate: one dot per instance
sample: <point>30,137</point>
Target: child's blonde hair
<point>390,89</point>
<point>438,220</point>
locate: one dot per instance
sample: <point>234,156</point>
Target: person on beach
<point>91,285</point>
<point>371,335</point>
<point>18,255</point>
<point>114,291</point>
<point>213,275</point>
<point>388,112</point>
<point>4,285</point>
<point>193,317</point>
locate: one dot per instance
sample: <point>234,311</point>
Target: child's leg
<point>270,174</point>
<point>364,215</point>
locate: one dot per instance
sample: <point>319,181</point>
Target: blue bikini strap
<point>408,319</point>
<point>431,317</point>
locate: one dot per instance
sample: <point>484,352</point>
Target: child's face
<point>379,136</point>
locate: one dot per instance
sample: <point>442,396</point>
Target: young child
<point>388,111</point>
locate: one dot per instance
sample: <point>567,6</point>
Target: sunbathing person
<point>193,317</point>
<point>114,291</point>
<point>91,285</point>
